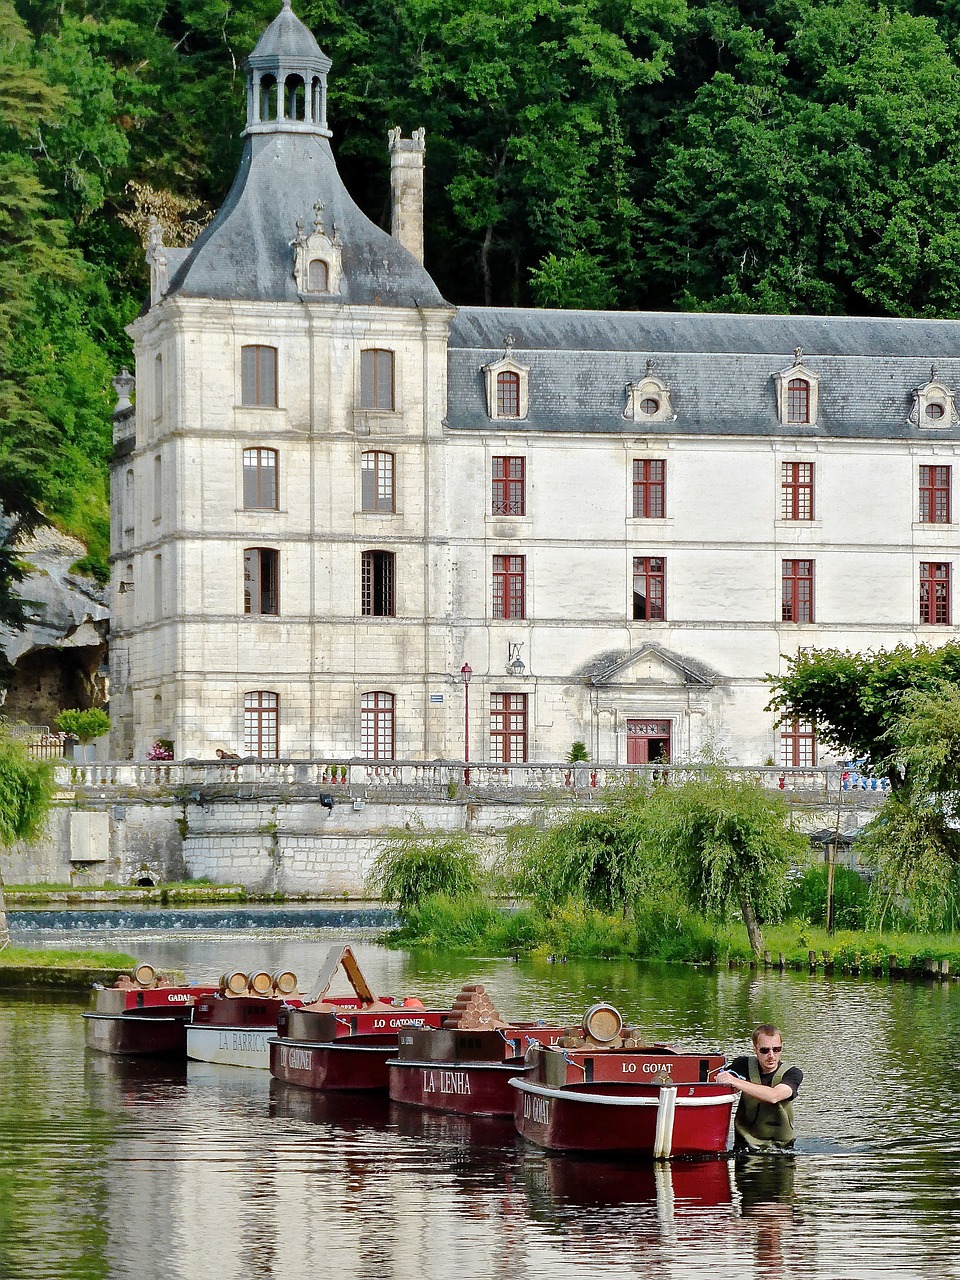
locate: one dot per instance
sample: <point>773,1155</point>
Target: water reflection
<point>137,1169</point>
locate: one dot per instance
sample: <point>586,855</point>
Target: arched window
<point>318,276</point>
<point>376,481</point>
<point>376,379</point>
<point>508,395</point>
<point>268,98</point>
<point>294,98</point>
<point>798,400</point>
<point>261,725</point>
<point>158,386</point>
<point>376,726</point>
<point>258,376</point>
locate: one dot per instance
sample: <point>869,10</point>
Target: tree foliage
<point>415,865</point>
<point>26,789</point>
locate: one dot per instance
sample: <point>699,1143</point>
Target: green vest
<point>764,1126</point>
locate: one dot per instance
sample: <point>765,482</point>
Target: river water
<point>125,1169</point>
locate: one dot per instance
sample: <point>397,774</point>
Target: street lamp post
<point>466,671</point>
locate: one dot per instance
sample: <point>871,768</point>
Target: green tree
<point>415,865</point>
<point>730,845</point>
<point>26,789</point>
<point>856,700</point>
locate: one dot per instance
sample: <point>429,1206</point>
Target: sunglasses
<point>771,1048</point>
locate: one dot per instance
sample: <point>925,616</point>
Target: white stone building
<point>337,491</point>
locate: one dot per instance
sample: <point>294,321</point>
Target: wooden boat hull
<point>159,1034</point>
<point>352,1063</point>
<point>464,1088</point>
<point>657,1121</point>
<point>234,1046</point>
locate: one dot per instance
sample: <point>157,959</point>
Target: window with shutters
<point>376,379</point>
<point>376,481</point>
<point>258,373</point>
<point>261,580</point>
<point>509,487</point>
<point>377,584</point>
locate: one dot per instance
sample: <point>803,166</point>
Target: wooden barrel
<point>260,983</point>
<point>602,1022</point>
<point>234,983</point>
<point>144,975</point>
<point>284,982</point>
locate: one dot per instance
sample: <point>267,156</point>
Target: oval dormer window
<point>649,406</point>
<point>318,276</point>
<point>935,410</point>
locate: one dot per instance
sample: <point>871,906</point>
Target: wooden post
<point>781,962</point>
<point>812,957</point>
<point>766,960</point>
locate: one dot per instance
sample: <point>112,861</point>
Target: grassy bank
<point>26,968</point>
<point>475,926</point>
<point>188,892</point>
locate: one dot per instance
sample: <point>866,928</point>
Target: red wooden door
<point>648,742</point>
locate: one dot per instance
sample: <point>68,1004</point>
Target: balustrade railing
<point>451,778</point>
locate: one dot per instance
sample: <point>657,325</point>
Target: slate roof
<point>245,252</point>
<point>718,367</point>
<point>288,38</point>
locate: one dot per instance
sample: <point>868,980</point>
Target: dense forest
<point>783,155</point>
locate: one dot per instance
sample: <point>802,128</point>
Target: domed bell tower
<point>287,80</point>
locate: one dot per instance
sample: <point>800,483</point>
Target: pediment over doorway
<point>651,665</point>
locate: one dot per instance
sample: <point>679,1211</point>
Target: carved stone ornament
<point>491,374</point>
<point>648,400</point>
<point>157,260</point>
<point>317,247</point>
<point>934,406</point>
<point>800,409</point>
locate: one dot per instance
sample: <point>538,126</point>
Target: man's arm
<point>781,1092</point>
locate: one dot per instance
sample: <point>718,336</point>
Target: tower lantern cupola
<point>287,79</point>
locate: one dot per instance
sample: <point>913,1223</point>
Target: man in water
<point>764,1118</point>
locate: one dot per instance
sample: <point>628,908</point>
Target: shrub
<point>84,725</point>
<point>413,866</point>
<point>851,896</point>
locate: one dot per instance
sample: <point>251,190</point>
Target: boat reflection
<point>339,1110</point>
<point>451,1128</point>
<point>116,1082</point>
<point>556,1183</point>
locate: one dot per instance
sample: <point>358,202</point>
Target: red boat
<point>144,1015</point>
<point>603,1092</point>
<point>466,1065</point>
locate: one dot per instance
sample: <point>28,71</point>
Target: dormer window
<point>798,394</point>
<point>316,256</point>
<point>934,405</point>
<point>318,275</point>
<point>649,399</point>
<point>507,388</point>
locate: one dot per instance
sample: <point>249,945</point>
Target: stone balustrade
<point>452,779</point>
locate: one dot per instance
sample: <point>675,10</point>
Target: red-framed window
<point>509,487</point>
<point>649,588</point>
<point>258,376</point>
<point>649,488</point>
<point>376,726</point>
<point>798,400</point>
<point>508,395</point>
<point>935,602</point>
<point>261,724</point>
<point>798,745</point>
<point>797,599</point>
<point>260,479</point>
<point>796,490</point>
<point>261,580</point>
<point>509,586</point>
<point>508,728</point>
<point>935,489</point>
<point>376,481</point>
<point>377,581</point>
<point>376,379</point>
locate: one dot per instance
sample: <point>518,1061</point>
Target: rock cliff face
<point>58,656</point>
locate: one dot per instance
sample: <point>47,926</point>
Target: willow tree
<point>26,789</point>
<point>730,844</point>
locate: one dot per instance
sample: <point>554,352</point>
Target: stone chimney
<point>406,189</point>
